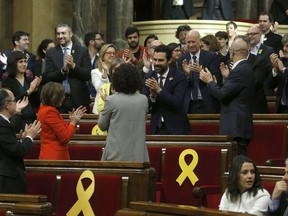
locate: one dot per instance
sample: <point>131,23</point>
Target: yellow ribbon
<point>83,203</point>
<point>188,171</point>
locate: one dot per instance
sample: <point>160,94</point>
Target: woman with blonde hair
<point>100,76</point>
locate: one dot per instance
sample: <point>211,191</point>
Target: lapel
<point>169,78</point>
<point>59,56</point>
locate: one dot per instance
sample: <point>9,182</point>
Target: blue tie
<point>196,81</point>
<point>65,82</point>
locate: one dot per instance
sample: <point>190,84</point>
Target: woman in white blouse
<point>99,76</point>
<point>245,192</point>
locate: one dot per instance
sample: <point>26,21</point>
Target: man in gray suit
<point>217,10</point>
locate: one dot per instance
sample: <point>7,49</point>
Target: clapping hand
<point>76,115</point>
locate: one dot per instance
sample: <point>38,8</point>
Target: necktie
<point>65,82</point>
<point>196,81</point>
<point>161,86</point>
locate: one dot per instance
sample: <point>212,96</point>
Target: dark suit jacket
<point>236,96</point>
<point>209,7</point>
<point>30,65</point>
<point>11,163</point>
<point>278,82</point>
<point>278,10</point>
<point>282,207</point>
<point>167,6</point>
<point>77,77</point>
<point>273,40</point>
<point>169,103</point>
<point>211,61</point>
<point>261,69</point>
<point>34,100</point>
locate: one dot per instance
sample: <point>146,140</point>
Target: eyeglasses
<point>12,101</point>
<point>110,53</point>
<point>252,34</point>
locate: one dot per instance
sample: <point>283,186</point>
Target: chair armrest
<point>276,162</point>
<point>204,190</point>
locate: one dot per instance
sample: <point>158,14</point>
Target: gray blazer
<point>125,118</point>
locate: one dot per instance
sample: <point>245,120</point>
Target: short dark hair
<point>210,40</point>
<point>17,36</point>
<point>4,97</point>
<point>270,16</point>
<point>231,23</point>
<point>43,45</point>
<point>131,30</point>
<point>12,60</point>
<point>173,46</point>
<point>222,34</point>
<point>164,49</point>
<point>52,94</point>
<point>90,36</point>
<point>233,178</point>
<point>182,28</point>
<point>149,37</point>
<point>125,79</point>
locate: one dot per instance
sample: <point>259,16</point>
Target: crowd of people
<point>223,73</point>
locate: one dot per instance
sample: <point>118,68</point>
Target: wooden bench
<point>163,209</point>
<point>22,204</point>
<point>142,178</point>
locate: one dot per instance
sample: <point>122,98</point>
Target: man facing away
<point>236,95</point>
<point>69,64</point>
<point>12,170</point>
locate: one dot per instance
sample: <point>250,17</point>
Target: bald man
<point>198,100</point>
<point>236,95</point>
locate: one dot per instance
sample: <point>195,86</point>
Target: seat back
<point>42,184</point>
<point>105,200</point>
<point>268,142</point>
<point>207,171</point>
<point>205,129</point>
<point>34,153</point>
<point>86,128</point>
<point>85,152</point>
<point>155,155</point>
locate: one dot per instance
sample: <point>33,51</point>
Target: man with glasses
<point>12,170</point>
<point>259,53</point>
<point>69,64</point>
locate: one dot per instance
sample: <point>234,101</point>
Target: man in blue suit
<point>165,88</point>
<point>198,100</point>
<point>236,95</point>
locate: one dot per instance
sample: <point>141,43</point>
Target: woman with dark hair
<point>56,133</point>
<point>125,115</point>
<point>176,51</point>
<point>149,39</point>
<point>22,86</point>
<point>39,65</point>
<point>245,192</point>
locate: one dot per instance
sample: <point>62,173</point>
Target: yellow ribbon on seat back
<point>83,204</point>
<point>187,170</point>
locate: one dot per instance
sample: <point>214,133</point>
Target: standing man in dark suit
<point>198,100</point>
<point>21,43</point>
<point>279,10</point>
<point>12,170</point>
<point>177,9</point>
<point>165,88</point>
<point>269,38</point>
<point>279,76</point>
<point>236,95</point>
<point>217,10</point>
<point>93,42</point>
<point>70,65</point>
<point>279,199</point>
<point>259,53</point>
